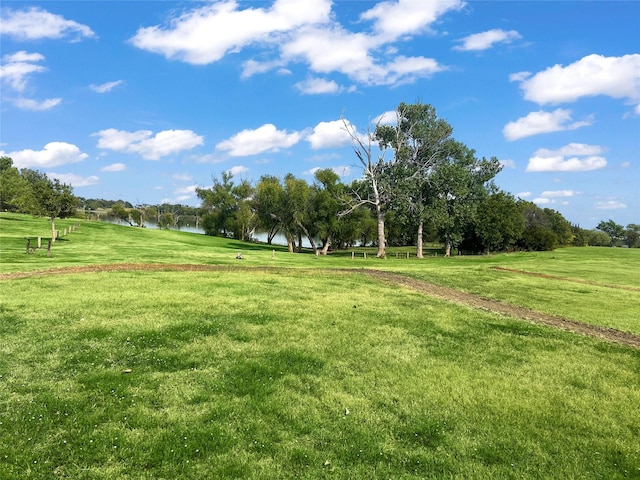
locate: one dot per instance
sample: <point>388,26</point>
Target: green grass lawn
<point>303,371</point>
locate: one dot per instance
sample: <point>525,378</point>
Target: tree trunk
<point>311,242</point>
<point>419,243</point>
<point>290,242</point>
<point>325,246</point>
<point>299,249</point>
<point>381,239</point>
<point>447,248</point>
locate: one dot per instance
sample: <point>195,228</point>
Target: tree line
<point>418,184</point>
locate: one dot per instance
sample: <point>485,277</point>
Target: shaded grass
<point>267,375</point>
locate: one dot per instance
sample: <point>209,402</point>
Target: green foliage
<point>227,206</point>
<point>499,223</point>
<point>615,231</point>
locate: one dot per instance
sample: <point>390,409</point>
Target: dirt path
<point>426,288</point>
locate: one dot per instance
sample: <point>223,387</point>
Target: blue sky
<point>144,101</point>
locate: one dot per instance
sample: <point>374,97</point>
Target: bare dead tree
<point>373,171</point>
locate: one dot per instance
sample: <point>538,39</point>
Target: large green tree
<point>499,222</point>
<point>228,207</point>
<point>458,184</point>
<point>15,191</point>
<point>421,143</point>
<point>614,230</point>
<point>50,197</point>
<point>268,205</point>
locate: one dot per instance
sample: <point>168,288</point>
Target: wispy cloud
<point>105,87</point>
<point>486,40</point>
<point>36,24</point>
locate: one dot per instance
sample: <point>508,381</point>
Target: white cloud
<point>542,201</point>
<point>36,24</point>
<point>616,77</point>
<point>105,87</point>
<point>35,105</point>
<point>328,50</point>
<point>114,167</point>
<point>305,32</point>
<point>582,158</point>
<point>17,67</point>
<point>54,154</point>
<point>204,35</point>
<point>263,139</point>
<point>558,193</point>
<point>486,40</point>
<point>188,191</point>
<point>332,134</point>
<point>508,163</point>
<point>74,180</point>
<point>524,194</point>
<point>395,19</point>
<point>610,205</point>
<point>314,86</point>
<point>182,177</point>
<point>145,144</point>
<point>237,170</point>
<point>390,117</point>
<point>542,122</point>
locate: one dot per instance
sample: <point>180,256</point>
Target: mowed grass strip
<point>256,374</point>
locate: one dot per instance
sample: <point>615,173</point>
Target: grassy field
<point>305,369</point>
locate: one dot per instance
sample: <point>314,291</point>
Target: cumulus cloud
<point>36,24</point>
<point>575,157</point>
<point>393,20</point>
<point>35,105</point>
<point>302,31</point>
<point>205,34</point>
<point>332,134</point>
<point>17,67</point>
<point>390,117</point>
<point>314,86</point>
<point>105,87</point>
<point>542,122</point>
<point>263,139</point>
<point>114,167</point>
<point>53,154</point>
<point>149,146</point>
<point>523,194</point>
<point>74,180</point>
<point>593,75</point>
<point>486,40</point>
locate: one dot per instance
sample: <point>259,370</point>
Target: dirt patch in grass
<point>421,286</point>
<point>573,280</point>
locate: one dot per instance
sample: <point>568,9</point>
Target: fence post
<point>39,242</point>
